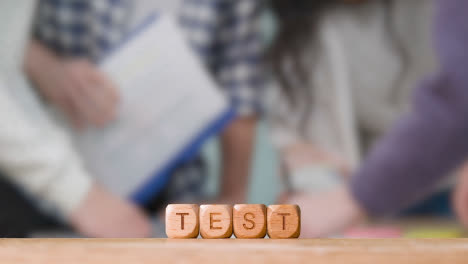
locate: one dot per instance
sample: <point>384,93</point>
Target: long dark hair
<point>297,28</point>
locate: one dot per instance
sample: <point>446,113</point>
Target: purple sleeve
<point>432,140</point>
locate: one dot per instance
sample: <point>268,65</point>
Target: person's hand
<point>104,215</point>
<point>303,154</point>
<point>327,213</point>
<point>460,198</point>
<point>84,94</point>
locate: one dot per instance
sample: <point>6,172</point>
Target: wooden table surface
<point>142,251</point>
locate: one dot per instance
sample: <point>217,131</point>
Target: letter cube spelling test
<point>242,220</point>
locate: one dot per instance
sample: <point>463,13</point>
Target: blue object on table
<point>438,204</point>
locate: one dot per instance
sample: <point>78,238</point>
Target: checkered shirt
<point>227,36</point>
<point>80,28</point>
<point>223,32</point>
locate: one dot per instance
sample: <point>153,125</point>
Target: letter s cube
<point>249,220</point>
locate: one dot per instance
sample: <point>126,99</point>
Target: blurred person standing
<point>420,148</point>
<point>37,156</point>
<point>359,61</point>
<point>225,33</point>
<point>71,36</point>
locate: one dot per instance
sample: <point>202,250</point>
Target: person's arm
<point>233,53</point>
<point>238,141</point>
<point>75,86</point>
<point>40,160</point>
<point>237,144</point>
<point>38,156</point>
<point>431,141</point>
<point>460,196</point>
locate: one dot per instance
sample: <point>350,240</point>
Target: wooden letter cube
<point>284,221</point>
<point>182,221</point>
<point>216,221</point>
<point>249,220</point>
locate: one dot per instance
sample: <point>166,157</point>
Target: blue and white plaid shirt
<point>81,28</point>
<point>223,32</point>
<point>226,34</point>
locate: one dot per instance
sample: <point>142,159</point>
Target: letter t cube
<point>283,221</point>
<point>182,221</point>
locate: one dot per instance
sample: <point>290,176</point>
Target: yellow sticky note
<point>435,233</point>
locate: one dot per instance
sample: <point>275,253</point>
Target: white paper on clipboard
<point>169,104</point>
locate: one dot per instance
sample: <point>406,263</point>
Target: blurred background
<point>353,109</point>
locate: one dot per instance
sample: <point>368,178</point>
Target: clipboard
<point>159,43</point>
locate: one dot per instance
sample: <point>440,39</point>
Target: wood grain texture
<point>249,220</point>
<point>245,251</point>
<point>182,220</point>
<point>283,221</point>
<point>216,221</point>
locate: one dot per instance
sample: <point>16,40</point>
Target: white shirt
<point>34,153</point>
<point>359,81</point>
